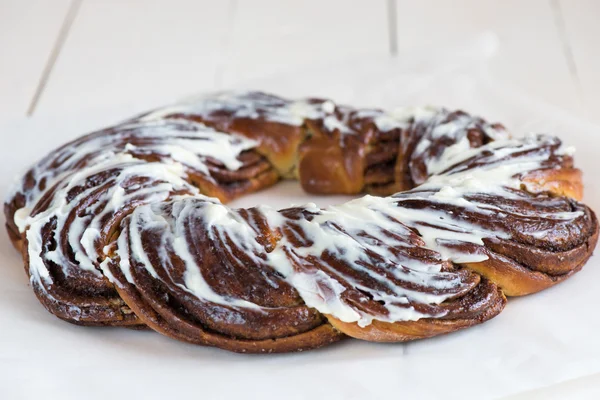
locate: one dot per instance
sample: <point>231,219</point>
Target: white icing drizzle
<point>370,236</point>
<point>251,105</point>
<point>255,105</point>
<point>340,231</point>
<point>182,144</point>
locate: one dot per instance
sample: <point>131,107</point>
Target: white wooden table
<point>64,56</point>
<point>69,55</point>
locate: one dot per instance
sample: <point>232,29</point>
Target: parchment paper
<point>537,341</point>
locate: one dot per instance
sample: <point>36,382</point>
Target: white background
<point>75,65</point>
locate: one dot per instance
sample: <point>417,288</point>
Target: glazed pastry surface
<point>128,226</point>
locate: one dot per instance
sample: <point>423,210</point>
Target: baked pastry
<point>126,226</point>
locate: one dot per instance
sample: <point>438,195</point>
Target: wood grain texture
<point>582,30</point>
<point>147,52</point>
<point>293,35</point>
<point>28,31</point>
<point>529,56</point>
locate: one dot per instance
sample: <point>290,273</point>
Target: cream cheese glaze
<point>124,204</point>
<point>367,231</point>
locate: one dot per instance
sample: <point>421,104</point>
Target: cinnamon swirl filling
<point>127,226</point>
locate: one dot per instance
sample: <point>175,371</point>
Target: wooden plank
<point>144,52</point>
<point>28,31</point>
<point>582,32</point>
<point>530,55</point>
<point>278,37</point>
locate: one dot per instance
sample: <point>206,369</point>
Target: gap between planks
<point>75,5</point>
<point>561,27</point>
<point>58,45</point>
<point>392,18</point>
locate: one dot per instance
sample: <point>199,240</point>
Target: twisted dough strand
<point>116,228</point>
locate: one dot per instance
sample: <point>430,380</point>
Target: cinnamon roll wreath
<point>126,226</point>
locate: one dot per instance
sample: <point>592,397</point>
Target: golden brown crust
<point>325,160</point>
<point>180,329</point>
<point>379,331</point>
<point>560,182</point>
<point>518,280</point>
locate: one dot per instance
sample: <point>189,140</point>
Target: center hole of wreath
<point>285,194</point>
